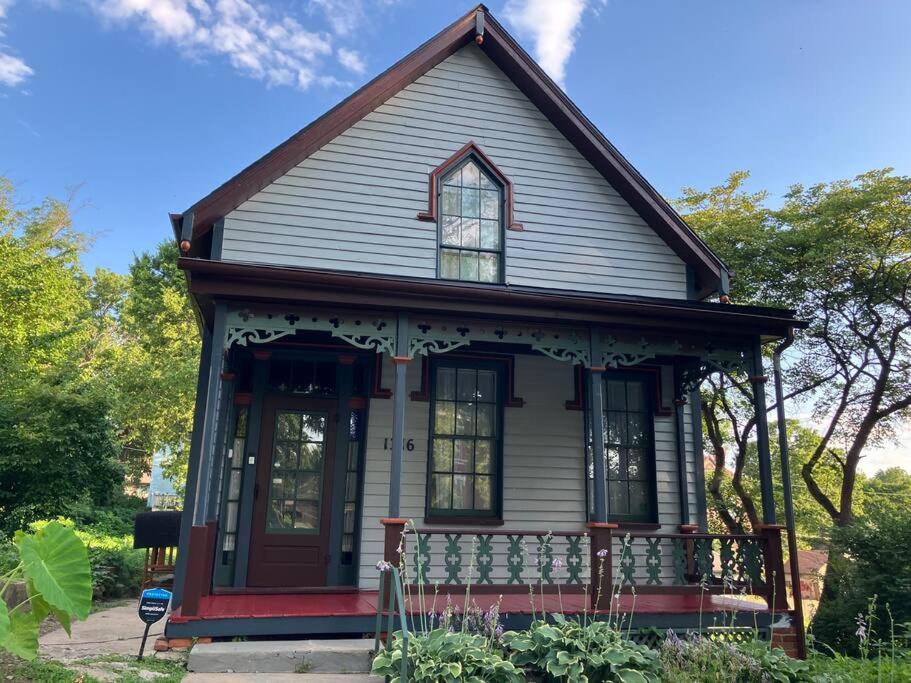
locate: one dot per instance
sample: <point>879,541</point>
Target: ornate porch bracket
<point>367,331</point>
<point>428,336</point>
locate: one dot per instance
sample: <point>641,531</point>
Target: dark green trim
<point>186,519</point>
<point>245,515</point>
<point>399,391</point>
<point>218,238</point>
<point>680,447</point>
<point>186,226</point>
<point>699,463</point>
<point>499,367</point>
<point>766,483</point>
<point>344,375</point>
<point>225,415</point>
<point>596,419</point>
<point>210,421</point>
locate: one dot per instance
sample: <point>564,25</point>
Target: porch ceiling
<point>210,280</point>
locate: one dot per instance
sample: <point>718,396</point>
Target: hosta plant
<point>54,565</point>
<point>442,655</point>
<point>569,650</point>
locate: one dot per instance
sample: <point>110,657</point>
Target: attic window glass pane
<point>471,224</point>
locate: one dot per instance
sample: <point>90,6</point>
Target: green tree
<point>57,444</point>
<point>156,363</point>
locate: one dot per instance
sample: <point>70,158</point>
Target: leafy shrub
<point>871,557</point>
<point>570,650</point>
<point>702,660</point>
<point>442,655</point>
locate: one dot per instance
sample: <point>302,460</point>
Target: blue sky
<point>146,105</point>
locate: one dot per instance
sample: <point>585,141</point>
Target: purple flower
<point>557,563</point>
<point>604,552</point>
<point>383,566</point>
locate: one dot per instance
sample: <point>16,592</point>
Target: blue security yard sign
<point>153,605</point>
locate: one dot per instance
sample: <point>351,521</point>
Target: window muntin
<point>465,442</point>
<point>298,455</point>
<point>629,447</point>
<point>471,224</point>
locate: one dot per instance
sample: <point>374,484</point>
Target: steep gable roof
<point>480,26</point>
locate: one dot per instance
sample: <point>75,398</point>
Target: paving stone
<point>282,656</point>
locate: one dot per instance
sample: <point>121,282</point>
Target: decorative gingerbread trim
<point>434,184</point>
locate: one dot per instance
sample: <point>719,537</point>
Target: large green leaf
<point>40,609</point>
<point>631,676</point>
<point>22,637</point>
<point>56,562</point>
<point>4,620</point>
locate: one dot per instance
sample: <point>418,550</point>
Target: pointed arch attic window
<point>471,202</point>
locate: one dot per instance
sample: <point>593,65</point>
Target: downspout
<point>788,495</point>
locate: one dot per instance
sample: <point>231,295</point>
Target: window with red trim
<point>471,207</point>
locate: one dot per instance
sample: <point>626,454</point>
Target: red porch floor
<point>363,604</point>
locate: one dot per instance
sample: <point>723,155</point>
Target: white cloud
<point>553,27</point>
<point>13,70</point>
<point>351,60</point>
<point>344,16</point>
<point>256,40</point>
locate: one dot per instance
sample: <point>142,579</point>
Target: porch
<point>498,521</point>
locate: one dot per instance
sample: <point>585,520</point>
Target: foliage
<point>837,253</point>
<point>872,557</point>
<point>155,366</point>
<point>571,650</point>
<point>56,445</point>
<point>443,655</point>
<point>699,659</point>
<point>53,562</point>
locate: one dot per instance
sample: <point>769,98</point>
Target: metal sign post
<point>153,605</point>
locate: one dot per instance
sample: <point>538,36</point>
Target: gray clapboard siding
<point>544,463</point>
<point>353,204</point>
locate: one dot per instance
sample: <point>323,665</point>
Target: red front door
<point>291,514</point>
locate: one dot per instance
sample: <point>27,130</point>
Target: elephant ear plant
<point>54,564</point>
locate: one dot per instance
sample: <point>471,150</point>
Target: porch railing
<point>598,560</point>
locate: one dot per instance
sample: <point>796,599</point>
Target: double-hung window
<point>629,446</point>
<point>471,224</point>
<point>464,468</point>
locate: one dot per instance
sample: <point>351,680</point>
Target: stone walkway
<point>114,633</point>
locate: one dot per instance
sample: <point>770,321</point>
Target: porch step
<point>349,656</point>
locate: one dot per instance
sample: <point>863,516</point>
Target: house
<point>447,322</point>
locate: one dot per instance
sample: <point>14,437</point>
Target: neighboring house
<point>417,308</point>
<point>162,494</point>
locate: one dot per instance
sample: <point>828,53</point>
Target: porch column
<point>399,390</point>
<point>596,401</point>
<point>758,380</point>
<point>201,548</point>
<point>680,438</point>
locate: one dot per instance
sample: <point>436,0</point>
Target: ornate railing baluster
<point>421,556</point>
<point>515,560</point>
<point>485,558</point>
<point>678,557</point>
<point>752,561</point>
<point>574,559</point>
<point>726,554</point>
<point>653,560</point>
<point>453,558</point>
<point>545,558</point>
<point>703,558</point>
<point>627,562</point>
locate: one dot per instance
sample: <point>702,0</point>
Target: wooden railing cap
<point>602,525</point>
<point>393,521</point>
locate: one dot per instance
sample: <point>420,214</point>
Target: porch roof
<point>209,280</point>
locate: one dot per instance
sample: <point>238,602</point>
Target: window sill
<point>460,520</point>
<point>635,526</point>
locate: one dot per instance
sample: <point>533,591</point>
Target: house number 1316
<point>387,444</point>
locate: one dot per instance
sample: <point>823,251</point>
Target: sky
<point>137,108</point>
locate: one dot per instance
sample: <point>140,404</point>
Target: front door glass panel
<point>296,476</point>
